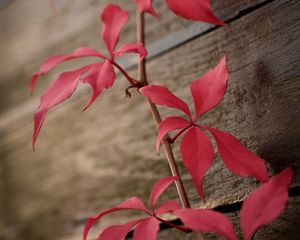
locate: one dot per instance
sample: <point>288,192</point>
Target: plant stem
<point>142,77</point>
<point>129,79</point>
<point>173,139</point>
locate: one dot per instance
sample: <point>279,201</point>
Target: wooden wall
<point>86,162</point>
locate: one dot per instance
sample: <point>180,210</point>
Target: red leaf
<point>167,206</point>
<point>159,187</point>
<point>197,155</point>
<point>52,61</point>
<point>208,90</point>
<point>39,118</point>
<point>266,203</point>
<point>61,89</point>
<point>237,157</point>
<point>147,230</point>
<point>163,96</point>
<point>113,18</point>
<point>93,74</point>
<point>167,125</point>
<point>207,221</point>
<point>146,6</point>
<point>198,10</point>
<point>132,48</point>
<point>118,232</point>
<point>104,80</point>
<point>130,204</point>
<point>106,76</point>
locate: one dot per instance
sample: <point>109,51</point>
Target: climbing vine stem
<point>142,77</point>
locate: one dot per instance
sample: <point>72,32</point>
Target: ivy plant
<point>261,207</point>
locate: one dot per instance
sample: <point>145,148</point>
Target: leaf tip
<point>157,147</point>
<point>33,147</point>
<point>32,83</point>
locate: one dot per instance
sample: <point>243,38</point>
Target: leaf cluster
<point>260,208</point>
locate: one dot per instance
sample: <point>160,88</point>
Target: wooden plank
<point>85,14</point>
<point>5,3</point>
<point>254,110</point>
<point>284,228</point>
<point>46,34</point>
<point>116,148</point>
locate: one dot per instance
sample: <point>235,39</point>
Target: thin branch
<point>133,82</point>
<point>173,139</point>
<point>142,77</point>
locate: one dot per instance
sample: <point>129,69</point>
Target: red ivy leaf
<point>147,230</point>
<point>113,18</point>
<point>198,10</point>
<point>237,157</point>
<point>148,227</point>
<point>163,96</point>
<point>266,203</point>
<point>52,61</point>
<point>130,204</point>
<point>39,118</point>
<point>92,74</point>
<point>132,48</point>
<point>61,89</point>
<point>207,221</point>
<point>197,155</point>
<point>208,90</point>
<point>91,79</point>
<point>159,187</point>
<point>102,77</point>
<point>167,125</point>
<point>118,232</point>
<point>146,6</point>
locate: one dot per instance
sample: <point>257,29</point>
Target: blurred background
<point>49,193</point>
<point>87,162</point>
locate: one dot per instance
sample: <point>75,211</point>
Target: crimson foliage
<point>260,207</point>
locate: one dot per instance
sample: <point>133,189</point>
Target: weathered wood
<point>254,108</point>
<point>285,227</point>
<point>22,51</point>
<point>108,158</point>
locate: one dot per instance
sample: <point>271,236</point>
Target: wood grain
<point>285,227</point>
<point>77,24</point>
<point>111,153</point>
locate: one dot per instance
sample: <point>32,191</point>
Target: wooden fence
<point>87,162</point>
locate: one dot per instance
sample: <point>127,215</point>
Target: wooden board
<point>77,24</point>
<point>284,227</point>
<point>91,161</point>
